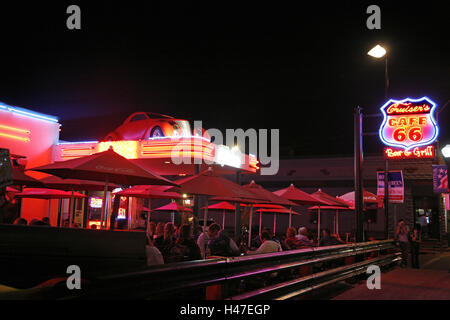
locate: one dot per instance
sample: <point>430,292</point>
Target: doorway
<point>426,214</point>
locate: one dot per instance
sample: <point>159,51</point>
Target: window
<point>138,117</point>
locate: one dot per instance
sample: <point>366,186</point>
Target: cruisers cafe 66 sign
<point>409,128</point>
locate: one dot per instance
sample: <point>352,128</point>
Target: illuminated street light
<point>446,151</point>
<point>377,52</point>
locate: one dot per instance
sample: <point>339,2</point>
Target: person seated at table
<point>36,222</point>
<point>46,220</point>
<point>154,256</point>
<point>21,221</point>
<point>328,240</point>
<point>267,246</point>
<point>158,237</point>
<point>168,238</point>
<point>303,237</point>
<point>204,239</point>
<point>223,246</point>
<point>291,242</point>
<point>151,230</point>
<point>185,248</point>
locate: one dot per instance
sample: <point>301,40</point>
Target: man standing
<point>402,235</point>
<point>423,225</point>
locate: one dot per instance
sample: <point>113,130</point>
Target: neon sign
<point>9,135</point>
<point>408,123</point>
<point>95,202</point>
<point>417,152</point>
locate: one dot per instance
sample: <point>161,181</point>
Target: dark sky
<point>300,68</point>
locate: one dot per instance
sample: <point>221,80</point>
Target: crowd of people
<point>166,243</point>
<point>33,222</point>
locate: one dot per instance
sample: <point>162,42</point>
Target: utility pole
<point>358,161</point>
<point>386,164</point>
<point>237,216</point>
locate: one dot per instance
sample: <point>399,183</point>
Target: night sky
<point>300,68</point>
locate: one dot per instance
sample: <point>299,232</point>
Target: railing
<point>282,275</point>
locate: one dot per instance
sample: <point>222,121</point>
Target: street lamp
<point>379,52</point>
<point>446,151</point>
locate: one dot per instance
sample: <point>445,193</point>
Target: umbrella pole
<point>274,224</point>
<point>71,209</point>
<point>337,221</point>
<point>260,222</point>
<point>49,207</point>
<point>223,219</point>
<point>104,215</point>
<point>250,226</point>
<point>318,226</point>
<point>205,217</point>
<point>148,216</point>
<point>290,216</point>
<point>173,217</point>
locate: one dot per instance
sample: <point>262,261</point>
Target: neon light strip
<point>69,143</point>
<point>28,113</point>
<point>14,137</point>
<point>428,142</point>
<point>15,129</point>
<point>179,138</point>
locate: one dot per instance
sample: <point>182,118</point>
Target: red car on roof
<point>146,125</point>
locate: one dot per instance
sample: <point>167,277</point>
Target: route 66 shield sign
<point>408,123</point>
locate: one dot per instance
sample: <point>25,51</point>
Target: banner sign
<point>440,179</point>
<point>396,186</point>
<point>409,123</point>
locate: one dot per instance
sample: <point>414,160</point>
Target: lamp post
<point>446,151</point>
<point>379,52</point>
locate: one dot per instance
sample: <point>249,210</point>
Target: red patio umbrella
<point>209,184</point>
<point>330,201</point>
<point>12,190</point>
<point>270,197</point>
<point>107,166</point>
<point>42,193</point>
<point>275,209</point>
<point>224,206</point>
<point>172,207</point>
<point>368,197</point>
<point>22,179</point>
<point>76,184</point>
<point>149,192</point>
<point>333,208</point>
<point>298,196</point>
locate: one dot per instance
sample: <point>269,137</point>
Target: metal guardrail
<point>281,276</point>
<point>172,280</point>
